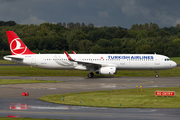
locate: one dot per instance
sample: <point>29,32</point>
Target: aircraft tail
<point>17,46</point>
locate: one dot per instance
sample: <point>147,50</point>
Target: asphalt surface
<point>12,104</point>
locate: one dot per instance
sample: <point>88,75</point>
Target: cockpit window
<point>167,59</point>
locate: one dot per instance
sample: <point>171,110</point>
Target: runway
<point>30,106</point>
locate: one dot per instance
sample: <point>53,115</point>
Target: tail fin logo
<point>16,46</point>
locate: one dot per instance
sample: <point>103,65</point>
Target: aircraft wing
<point>87,63</point>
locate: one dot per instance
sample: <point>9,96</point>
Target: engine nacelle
<point>107,70</point>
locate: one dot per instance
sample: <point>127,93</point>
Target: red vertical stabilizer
<point>17,46</point>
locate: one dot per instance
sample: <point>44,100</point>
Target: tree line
<point>55,38</point>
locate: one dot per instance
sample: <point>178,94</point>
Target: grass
<point>16,81</point>
<point>176,59</point>
<point>6,62</point>
<point>128,98</point>
<point>31,71</point>
<point>150,73</point>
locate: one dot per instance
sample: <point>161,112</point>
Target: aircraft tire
<point>156,75</point>
<point>90,75</point>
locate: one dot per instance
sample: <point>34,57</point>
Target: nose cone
<point>174,64</point>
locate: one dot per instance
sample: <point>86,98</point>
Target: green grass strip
<point>176,59</point>
<point>128,98</point>
<point>17,81</point>
<point>31,71</point>
<point>6,62</point>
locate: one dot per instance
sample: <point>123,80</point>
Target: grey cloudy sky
<point>122,13</point>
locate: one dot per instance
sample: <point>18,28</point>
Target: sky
<point>123,13</point>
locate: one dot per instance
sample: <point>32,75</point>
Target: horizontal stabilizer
<point>13,56</point>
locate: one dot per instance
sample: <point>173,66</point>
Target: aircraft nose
<point>174,64</point>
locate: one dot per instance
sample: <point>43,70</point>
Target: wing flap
<point>86,63</point>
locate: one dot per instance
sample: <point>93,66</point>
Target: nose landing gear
<point>156,74</point>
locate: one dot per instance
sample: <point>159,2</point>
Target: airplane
<point>105,64</point>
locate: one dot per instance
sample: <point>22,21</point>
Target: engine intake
<point>107,70</point>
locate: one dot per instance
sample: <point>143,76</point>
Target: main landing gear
<point>156,74</point>
<point>90,75</point>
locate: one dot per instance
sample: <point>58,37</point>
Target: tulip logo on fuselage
<point>16,46</point>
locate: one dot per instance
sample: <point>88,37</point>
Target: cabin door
<point>122,62</point>
<point>157,60</point>
<point>33,61</point>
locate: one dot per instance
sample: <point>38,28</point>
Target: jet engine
<point>107,70</point>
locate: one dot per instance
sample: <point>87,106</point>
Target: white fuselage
<point>87,61</point>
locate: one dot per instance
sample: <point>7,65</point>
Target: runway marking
<point>50,108</point>
<point>52,88</point>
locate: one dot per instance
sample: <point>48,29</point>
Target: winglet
<point>69,58</point>
<point>74,52</point>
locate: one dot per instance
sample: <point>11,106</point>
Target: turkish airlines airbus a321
<point>105,64</point>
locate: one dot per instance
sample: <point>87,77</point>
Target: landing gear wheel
<point>156,75</point>
<point>90,75</point>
